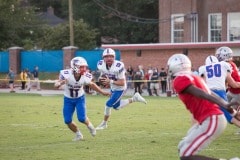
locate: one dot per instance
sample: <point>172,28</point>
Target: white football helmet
<point>77,62</point>
<point>224,54</point>
<point>178,63</point>
<point>211,59</point>
<point>108,51</point>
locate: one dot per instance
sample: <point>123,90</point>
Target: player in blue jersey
<point>75,79</point>
<point>203,106</point>
<point>216,74</point>
<point>115,77</point>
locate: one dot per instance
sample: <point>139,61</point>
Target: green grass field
<point>32,128</point>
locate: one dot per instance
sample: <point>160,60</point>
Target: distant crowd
<point>152,79</point>
<point>28,79</point>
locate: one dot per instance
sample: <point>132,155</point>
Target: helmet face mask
<point>108,56</point>
<point>224,53</point>
<point>178,63</point>
<point>108,52</point>
<point>82,69</point>
<point>79,65</point>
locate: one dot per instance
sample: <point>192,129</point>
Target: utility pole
<point>71,23</point>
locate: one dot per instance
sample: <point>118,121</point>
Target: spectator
<point>23,77</point>
<point>137,82</point>
<point>154,85</point>
<point>11,78</point>
<point>129,72</point>
<point>140,68</point>
<point>35,73</point>
<point>163,79</point>
<point>29,75</point>
<point>148,77</point>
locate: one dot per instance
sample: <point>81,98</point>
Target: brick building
<point>193,27</point>
<point>199,21</point>
<point>156,55</point>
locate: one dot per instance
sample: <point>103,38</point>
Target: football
<point>102,79</point>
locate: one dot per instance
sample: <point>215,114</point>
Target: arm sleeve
<point>64,74</point>
<point>122,70</point>
<point>88,78</point>
<point>180,83</point>
<point>227,66</point>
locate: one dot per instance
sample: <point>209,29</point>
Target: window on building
<point>215,27</point>
<point>234,26</point>
<point>194,27</point>
<point>177,29</point>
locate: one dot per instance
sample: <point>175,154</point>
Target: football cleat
<point>138,98</point>
<point>92,130</point>
<point>78,138</point>
<point>102,126</point>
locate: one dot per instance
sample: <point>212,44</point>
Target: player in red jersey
<point>226,54</point>
<point>202,104</point>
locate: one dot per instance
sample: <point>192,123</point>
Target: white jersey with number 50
<point>215,74</point>
<point>115,72</point>
<point>74,88</point>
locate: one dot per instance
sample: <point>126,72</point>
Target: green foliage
<point>32,127</point>
<point>17,24</point>
<point>59,6</point>
<point>58,37</point>
<point>123,29</point>
<point>107,22</point>
<point>21,27</point>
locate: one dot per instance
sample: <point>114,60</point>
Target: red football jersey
<point>200,108</point>
<point>235,75</point>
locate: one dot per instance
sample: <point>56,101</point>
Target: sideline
<point>33,91</point>
<point>46,92</point>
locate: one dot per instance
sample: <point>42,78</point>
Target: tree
<point>58,37</point>
<point>17,24</point>
<point>128,22</point>
<point>124,22</point>
<point>58,5</point>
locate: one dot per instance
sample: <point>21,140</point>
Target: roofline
<point>171,45</point>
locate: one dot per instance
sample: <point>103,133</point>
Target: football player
<point>114,76</point>
<point>216,74</point>
<point>74,80</point>
<point>226,54</point>
<point>202,104</point>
